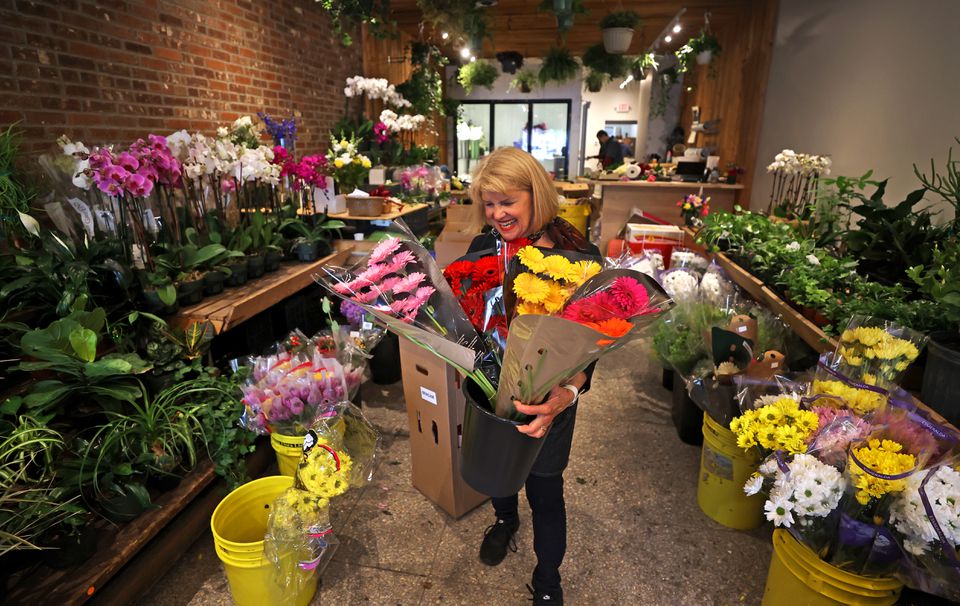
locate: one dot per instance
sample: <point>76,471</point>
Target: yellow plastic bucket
<point>724,469</point>
<point>288,449</point>
<point>576,215</point>
<point>797,577</point>
<point>238,524</point>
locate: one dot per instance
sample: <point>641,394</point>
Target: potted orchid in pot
<point>350,169</point>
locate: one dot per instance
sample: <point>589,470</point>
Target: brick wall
<point>109,72</point>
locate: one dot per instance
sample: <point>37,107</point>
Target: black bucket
<point>667,379</point>
<point>385,363</point>
<point>941,378</point>
<point>495,458</point>
<point>687,416</point>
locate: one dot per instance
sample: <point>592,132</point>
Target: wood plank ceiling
<point>519,25</point>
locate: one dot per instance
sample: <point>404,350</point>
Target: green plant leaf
<point>167,294</point>
<point>84,343</point>
<point>107,367</point>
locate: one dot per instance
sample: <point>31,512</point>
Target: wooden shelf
<point>236,305</point>
<point>665,185</point>
<point>115,547</point>
<point>406,210</point>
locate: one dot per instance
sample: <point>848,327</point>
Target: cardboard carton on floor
<point>435,404</point>
<point>458,232</point>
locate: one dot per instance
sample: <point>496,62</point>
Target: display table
<point>659,198</point>
<point>405,210</point>
<point>236,305</point>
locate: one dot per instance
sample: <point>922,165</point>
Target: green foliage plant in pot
<point>618,29</point>
<point>524,81</point>
<point>68,349</point>
<point>159,292</point>
<point>477,73</point>
<point>312,242</point>
<point>558,66</point>
<point>599,60</point>
<point>594,81</point>
<point>940,281</point>
<point>239,242</point>
<point>703,49</point>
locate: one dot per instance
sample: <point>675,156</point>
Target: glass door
<point>550,136</point>
<point>473,136</point>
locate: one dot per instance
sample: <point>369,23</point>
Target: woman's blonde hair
<point>510,169</point>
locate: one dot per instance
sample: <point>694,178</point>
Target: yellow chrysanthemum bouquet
<point>339,453</point>
<point>877,352</point>
<point>780,426</point>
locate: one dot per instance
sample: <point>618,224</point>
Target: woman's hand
<point>559,399</point>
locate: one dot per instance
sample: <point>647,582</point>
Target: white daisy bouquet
<point>801,492</point>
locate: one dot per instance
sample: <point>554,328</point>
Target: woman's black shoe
<point>497,538</point>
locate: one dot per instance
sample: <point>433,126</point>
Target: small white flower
<point>793,247</point>
<point>812,259</point>
<point>779,511</point>
<point>753,485</point>
<point>222,132</point>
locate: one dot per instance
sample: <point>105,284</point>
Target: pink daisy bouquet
<point>286,393</point>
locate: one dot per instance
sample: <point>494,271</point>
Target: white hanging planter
<point>704,58</point>
<point>616,40</point>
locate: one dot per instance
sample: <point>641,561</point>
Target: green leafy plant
<point>945,184</point>
<point>68,349</point>
<point>558,66</point>
<point>30,502</point>
<point>628,19</point>
<point>321,231</point>
<point>525,81</point>
<point>347,14</point>
<point>424,88</point>
<point>704,42</point>
<point>477,73</point>
<point>665,81</point>
<point>15,196</point>
<point>940,281</point>
<point>599,60</point>
<point>594,81</point>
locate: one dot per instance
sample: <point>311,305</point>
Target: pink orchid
<point>138,185</point>
<point>128,161</point>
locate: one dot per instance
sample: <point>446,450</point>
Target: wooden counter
<point>406,210</point>
<point>659,198</point>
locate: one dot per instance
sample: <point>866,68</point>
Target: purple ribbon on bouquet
<point>945,545</point>
<point>854,533</point>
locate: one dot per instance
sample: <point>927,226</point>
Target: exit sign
<point>622,108</point>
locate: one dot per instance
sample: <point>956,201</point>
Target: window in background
<point>541,128</point>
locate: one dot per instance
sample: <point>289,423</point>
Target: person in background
<point>611,152</point>
<point>514,195</point>
<point>627,144</point>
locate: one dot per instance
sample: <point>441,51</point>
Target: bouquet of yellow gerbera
<point>544,283</point>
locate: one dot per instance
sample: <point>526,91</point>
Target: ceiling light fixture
<point>444,35</point>
<point>668,39</point>
<point>472,59</point>
<point>664,37</point>
<point>677,28</point>
<point>624,84</point>
<point>465,52</point>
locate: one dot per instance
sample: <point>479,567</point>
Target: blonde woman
<point>515,196</point>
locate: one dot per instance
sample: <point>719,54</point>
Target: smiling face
<point>510,213</point>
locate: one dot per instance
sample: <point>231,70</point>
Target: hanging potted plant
<point>643,65</point>
<point>565,11</point>
<point>524,81</point>
<point>594,81</point>
<point>558,66</point>
<point>618,29</point>
<point>703,48</point>
<point>599,60</point>
<point>510,61</point>
<point>477,73</point>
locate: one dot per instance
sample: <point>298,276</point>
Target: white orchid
<point>375,88</point>
<point>397,123</point>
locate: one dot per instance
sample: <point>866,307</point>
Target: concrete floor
<point>636,535</point>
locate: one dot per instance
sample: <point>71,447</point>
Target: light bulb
<point>444,35</point>
<point>669,38</point>
<point>465,52</point>
<point>472,59</point>
<point>676,28</point>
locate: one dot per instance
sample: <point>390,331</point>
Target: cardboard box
<point>435,404</point>
<point>458,232</point>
